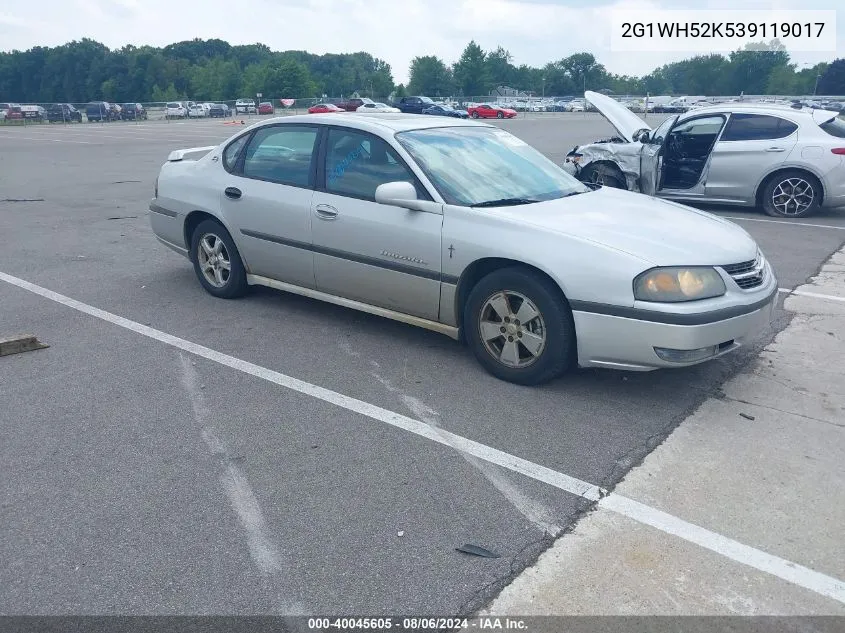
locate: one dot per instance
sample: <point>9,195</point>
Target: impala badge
<point>415,260</point>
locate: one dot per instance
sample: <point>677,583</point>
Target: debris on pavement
<point>746,416</point>
<point>475,550</point>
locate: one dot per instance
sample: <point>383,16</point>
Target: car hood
<point>626,122</point>
<point>658,232</point>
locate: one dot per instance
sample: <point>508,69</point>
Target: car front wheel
<point>520,327</point>
<point>500,115</point>
<point>217,262</point>
<point>791,194</point>
<point>601,175</point>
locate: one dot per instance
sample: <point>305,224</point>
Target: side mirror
<point>399,194</point>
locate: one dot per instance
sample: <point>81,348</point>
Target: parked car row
<point>105,111</point>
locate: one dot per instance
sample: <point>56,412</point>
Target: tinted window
<point>231,153</point>
<point>755,127</point>
<point>834,127</point>
<point>357,163</point>
<point>281,154</point>
<point>695,127</point>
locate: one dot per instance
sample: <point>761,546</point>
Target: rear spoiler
<point>180,154</point>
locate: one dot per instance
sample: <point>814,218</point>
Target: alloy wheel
<point>512,329</point>
<point>214,260</point>
<point>793,196</point>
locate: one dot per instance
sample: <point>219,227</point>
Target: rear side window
<point>757,127</point>
<point>834,127</point>
<point>281,154</point>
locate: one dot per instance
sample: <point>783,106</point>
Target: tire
<point>552,330</point>
<point>474,115</point>
<point>234,284</point>
<point>791,194</point>
<point>499,115</point>
<point>602,175</point>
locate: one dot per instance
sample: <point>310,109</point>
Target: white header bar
<point>721,31</point>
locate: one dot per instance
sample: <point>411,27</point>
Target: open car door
<point>652,156</point>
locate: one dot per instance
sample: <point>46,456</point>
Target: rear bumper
<point>628,343</point>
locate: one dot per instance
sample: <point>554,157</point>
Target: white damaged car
<point>788,161</point>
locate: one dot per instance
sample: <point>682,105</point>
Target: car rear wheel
<point>601,175</point>
<point>217,262</point>
<point>519,326</point>
<point>791,194</point>
<point>474,115</point>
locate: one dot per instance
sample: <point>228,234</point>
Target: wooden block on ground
<point>20,343</point>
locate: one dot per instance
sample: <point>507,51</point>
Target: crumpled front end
<point>624,156</point>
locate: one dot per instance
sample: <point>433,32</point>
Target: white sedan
<point>376,107</point>
<point>462,228</point>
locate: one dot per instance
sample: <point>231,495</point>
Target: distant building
<point>505,91</point>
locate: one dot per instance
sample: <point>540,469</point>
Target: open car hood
<point>626,122</point>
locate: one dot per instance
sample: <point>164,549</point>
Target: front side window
<point>699,127</point>
<point>357,163</point>
<point>281,154</point>
<point>659,135</point>
<point>475,165</point>
<point>757,127</point>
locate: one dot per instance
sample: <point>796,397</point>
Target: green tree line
<point>756,70</point>
<point>213,70</point>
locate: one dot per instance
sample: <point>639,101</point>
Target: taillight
<point>839,150</point>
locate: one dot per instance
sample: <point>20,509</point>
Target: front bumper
<point>629,344</point>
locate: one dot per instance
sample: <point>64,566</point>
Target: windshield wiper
<point>505,202</point>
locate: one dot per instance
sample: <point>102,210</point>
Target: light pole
<point>544,87</point>
<point>816,87</point>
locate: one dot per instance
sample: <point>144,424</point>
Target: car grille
<point>748,275</point>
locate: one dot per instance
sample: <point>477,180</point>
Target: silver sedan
<point>462,228</point>
<point>788,161</point>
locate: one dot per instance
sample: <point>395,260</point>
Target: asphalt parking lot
<point>141,478</point>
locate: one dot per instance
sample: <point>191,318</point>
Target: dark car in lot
<point>63,112</point>
<point>219,110</point>
<point>414,105</point>
<point>445,110</point>
<point>352,105</point>
<point>101,111</point>
<point>133,112</point>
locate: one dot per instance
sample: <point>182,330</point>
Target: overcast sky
<point>534,31</point>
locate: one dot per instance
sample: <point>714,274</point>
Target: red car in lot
<point>489,111</point>
<point>322,108</point>
<point>266,108</point>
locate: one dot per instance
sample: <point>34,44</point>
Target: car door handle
<point>776,149</point>
<point>325,212</point>
<point>232,192</point>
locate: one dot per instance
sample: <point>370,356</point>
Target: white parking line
<point>817,226</point>
<point>815,295</point>
<point>54,140</point>
<point>744,554</point>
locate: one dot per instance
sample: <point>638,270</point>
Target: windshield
<point>834,127</point>
<point>473,165</point>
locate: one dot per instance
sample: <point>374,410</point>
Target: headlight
<point>673,285</point>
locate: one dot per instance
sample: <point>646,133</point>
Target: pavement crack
<point>22,200</point>
<point>771,408</point>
